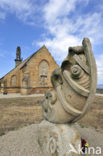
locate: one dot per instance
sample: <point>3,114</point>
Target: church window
<point>43,72</point>
<point>13,81</point>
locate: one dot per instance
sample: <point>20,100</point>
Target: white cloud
<point>99,62</point>
<point>23,9</point>
<point>55,9</point>
<point>59,48</point>
<point>65,23</point>
<point>67,28</point>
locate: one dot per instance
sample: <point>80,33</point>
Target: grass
<point>94,117</point>
<point>19,112</point>
<point>16,113</point>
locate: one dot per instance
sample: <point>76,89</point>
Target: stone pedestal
<point>58,139</point>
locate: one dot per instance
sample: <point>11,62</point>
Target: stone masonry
<point>30,76</point>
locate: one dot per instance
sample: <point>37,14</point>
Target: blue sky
<point>56,23</point>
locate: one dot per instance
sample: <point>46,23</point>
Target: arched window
<point>13,81</point>
<point>43,72</point>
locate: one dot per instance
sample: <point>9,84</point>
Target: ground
<point>18,115</point>
<point>94,118</point>
<point>20,111</point>
<point>24,142</point>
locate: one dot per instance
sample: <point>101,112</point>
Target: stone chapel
<point>31,76</point>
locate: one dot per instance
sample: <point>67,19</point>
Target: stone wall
<point>33,68</point>
<point>99,90</point>
<point>38,70</point>
<point>40,90</point>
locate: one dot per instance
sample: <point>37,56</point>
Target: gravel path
<point>93,137</point>
<point>23,142</point>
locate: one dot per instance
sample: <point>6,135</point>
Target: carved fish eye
<point>75,71</point>
<point>58,79</point>
<point>51,96</point>
<point>54,98</point>
<point>48,95</point>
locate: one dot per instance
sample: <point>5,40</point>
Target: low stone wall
<point>99,90</point>
<point>10,89</point>
<point>40,90</point>
<point>25,91</point>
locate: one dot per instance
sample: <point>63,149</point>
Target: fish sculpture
<point>74,86</point>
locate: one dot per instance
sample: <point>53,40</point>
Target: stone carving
<point>74,86</point>
<point>54,139</point>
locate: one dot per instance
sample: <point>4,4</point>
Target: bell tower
<point>18,59</point>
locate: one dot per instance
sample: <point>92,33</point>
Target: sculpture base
<point>59,139</point>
